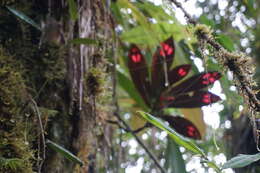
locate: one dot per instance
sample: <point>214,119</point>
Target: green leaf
<point>251,3</point>
<point>182,54</point>
<point>225,41</point>
<point>250,6</point>
<point>182,141</point>
<point>204,20</point>
<point>22,16</point>
<point>241,160</point>
<point>137,15</point>
<point>86,41</point>
<point>67,154</point>
<point>116,13</point>
<point>174,161</point>
<point>142,36</point>
<point>138,35</point>
<point>128,86</point>
<point>155,11</point>
<point>213,166</point>
<point>73,9</point>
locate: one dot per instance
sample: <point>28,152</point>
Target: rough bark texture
<point>65,81</point>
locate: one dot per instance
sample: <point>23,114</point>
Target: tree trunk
<point>65,81</point>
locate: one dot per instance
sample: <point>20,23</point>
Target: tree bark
<point>65,80</point>
<point>83,81</point>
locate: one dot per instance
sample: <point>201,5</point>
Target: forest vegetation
<point>114,86</point>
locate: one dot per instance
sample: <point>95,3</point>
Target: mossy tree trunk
<point>65,82</point>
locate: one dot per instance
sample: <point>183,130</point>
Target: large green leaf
<point>154,35</point>
<point>241,160</point>
<point>67,154</point>
<point>204,20</point>
<point>182,141</point>
<point>24,17</point>
<point>225,41</point>
<point>154,11</point>
<point>251,10</point>
<point>138,35</point>
<point>174,161</point>
<point>137,15</point>
<point>116,13</point>
<point>182,56</point>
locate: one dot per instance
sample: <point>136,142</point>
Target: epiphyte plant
<point>166,88</point>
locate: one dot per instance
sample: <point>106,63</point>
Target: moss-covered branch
<point>240,64</point>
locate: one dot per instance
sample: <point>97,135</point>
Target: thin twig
<point>189,18</point>
<point>140,143</point>
<point>36,109</point>
<point>118,124</point>
<point>124,128</point>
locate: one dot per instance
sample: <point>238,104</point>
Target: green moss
<point>201,30</point>
<point>48,65</point>
<point>95,81</point>
<point>30,72</point>
<point>15,152</point>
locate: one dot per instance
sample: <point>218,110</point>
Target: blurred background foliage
<point>224,126</point>
<point>146,23</point>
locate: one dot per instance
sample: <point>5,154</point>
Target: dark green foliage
<point>64,152</point>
